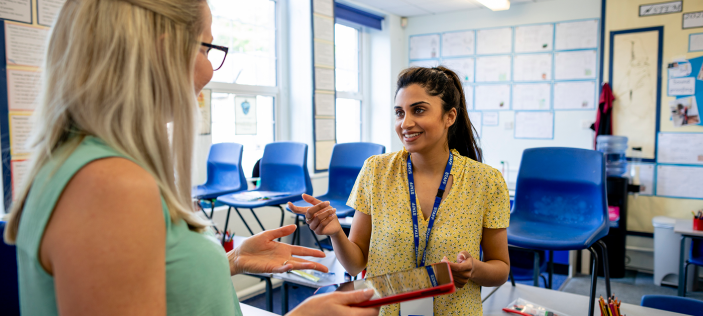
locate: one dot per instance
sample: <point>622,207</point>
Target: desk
<point>248,310</point>
<point>572,304</point>
<point>685,228</point>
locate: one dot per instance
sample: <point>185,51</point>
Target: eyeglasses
<point>216,55</point>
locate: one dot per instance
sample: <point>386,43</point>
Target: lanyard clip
<point>440,193</point>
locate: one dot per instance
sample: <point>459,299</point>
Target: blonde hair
<point>121,70</point>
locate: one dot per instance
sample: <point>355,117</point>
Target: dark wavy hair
<point>444,83</point>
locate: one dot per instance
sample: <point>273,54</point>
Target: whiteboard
<point>493,68</point>
<point>458,44</point>
<point>424,46</point>
<point>425,63</point>
<point>576,35</point>
<point>577,95</point>
<point>532,67</point>
<point>534,38</point>
<point>464,68</point>
<point>534,124</point>
<point>680,148</point>
<point>677,181</point>
<point>532,96</point>
<point>575,65</point>
<point>475,118</point>
<point>469,94</point>
<point>492,97</point>
<point>494,41</point>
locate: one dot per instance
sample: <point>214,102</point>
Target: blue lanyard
<point>413,207</point>
<point>433,278</point>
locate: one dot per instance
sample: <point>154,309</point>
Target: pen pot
<point>229,245</point>
<point>698,224</point>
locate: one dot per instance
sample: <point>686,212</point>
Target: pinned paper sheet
<point>23,88</point>
<point>682,86</point>
<point>532,67</point>
<point>19,171</point>
<point>493,68</point>
<point>324,7</point>
<point>325,129</point>
<point>646,174</point>
<point>323,28</point>
<point>533,96</point>
<point>324,79</point>
<point>463,67</point>
<point>47,10</point>
<point>458,44</point>
<point>323,154</point>
<point>17,10</point>
<point>680,148</point>
<point>490,118</point>
<point>534,38</point>
<point>324,53</point>
<point>679,69</point>
<point>424,46</point>
<point>25,45</point>
<point>492,97</point>
<point>679,181</point>
<point>494,41</point>
<point>577,95</point>
<point>324,104</point>
<point>575,65</point>
<point>469,94</point>
<point>21,126</point>
<point>684,111</point>
<point>204,105</point>
<point>424,63</point>
<point>476,119</point>
<point>576,35</point>
<point>534,124</point>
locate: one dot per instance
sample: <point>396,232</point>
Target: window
<point>347,60</point>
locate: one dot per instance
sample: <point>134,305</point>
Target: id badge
<point>419,307</point>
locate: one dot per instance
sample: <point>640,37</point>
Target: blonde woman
<point>105,225</point>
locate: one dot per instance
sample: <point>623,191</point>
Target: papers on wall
<point>490,118</point>
<point>646,172</point>
<point>679,69</point>
<point>680,148</point>
<point>25,45</point>
<point>577,95</point>
<point>534,124</point>
<point>693,19</point>
<point>204,102</point>
<point>494,41</point>
<point>464,68</point>
<point>661,8</point>
<point>532,67</point>
<point>424,46</point>
<point>684,111</point>
<point>682,86</point>
<point>323,28</point>
<point>576,35</point>
<point>695,42</point>
<point>493,68</point>
<point>575,65</point>
<point>19,170</point>
<point>492,97</point>
<point>324,7</point>
<point>677,181</point>
<point>469,95</point>
<point>23,87</point>
<point>324,79</point>
<point>424,63</point>
<point>47,10</point>
<point>324,54</point>
<point>534,38</point>
<point>476,120</point>
<point>16,10</point>
<point>21,125</point>
<point>324,129</point>
<point>323,154</point>
<point>324,104</point>
<point>458,44</point>
<point>245,115</point>
<point>535,96</point>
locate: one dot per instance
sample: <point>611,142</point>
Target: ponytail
<point>441,81</point>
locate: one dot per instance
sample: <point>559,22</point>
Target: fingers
<point>302,264</point>
<point>311,200</point>
<point>297,209</point>
<point>278,232</point>
<point>462,256</point>
<point>354,297</point>
<point>322,218</point>
<point>306,252</point>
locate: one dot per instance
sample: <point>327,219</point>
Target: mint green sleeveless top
<point>197,270</point>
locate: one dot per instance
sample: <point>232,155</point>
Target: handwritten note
<point>682,86</point>
<point>693,19</point>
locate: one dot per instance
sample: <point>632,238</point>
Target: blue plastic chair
<point>675,304</point>
<point>284,169</point>
<point>345,164</point>
<point>695,257</point>
<point>224,176</point>
<point>561,204</point>
<point>9,287</point>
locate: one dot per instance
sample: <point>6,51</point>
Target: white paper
<point>492,97</point>
<point>458,44</point>
<point>418,307</point>
<point>424,46</point>
<point>16,10</point>
<point>646,172</point>
<point>20,129</point>
<point>469,95</point>
<point>424,63</point>
<point>324,129</point>
<point>577,95</point>
<point>534,38</point>
<point>23,87</point>
<point>684,111</point>
<point>324,104</point>
<point>680,148</point>
<point>661,8</point>
<point>47,10</point>
<point>19,171</point>
<point>575,65</point>
<point>204,106</point>
<point>695,42</point>
<point>324,7</point>
<point>532,67</point>
<point>682,86</point>
<point>693,19</point>
<point>324,54</point>
<point>323,153</point>
<point>493,68</point>
<point>464,68</point>
<point>534,96</point>
<point>323,28</point>
<point>681,69</point>
<point>534,124</point>
<point>576,35</point>
<point>494,41</point>
<point>676,181</point>
<point>324,79</point>
<point>245,115</point>
<point>25,45</point>
<point>490,118</point>
<point>476,121</point>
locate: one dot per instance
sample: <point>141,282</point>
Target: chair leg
<point>269,295</point>
<point>685,278</point>
<point>314,237</point>
<point>594,279</point>
<point>283,215</point>
<point>535,269</point>
<point>551,270</point>
<point>284,298</point>
<point>606,266</point>
<point>212,207</point>
<point>257,219</point>
<point>243,221</point>
<point>512,278</point>
<point>226,224</point>
<point>545,281</point>
<point>295,233</point>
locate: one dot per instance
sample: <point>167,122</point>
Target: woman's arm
<point>105,242</point>
<point>493,271</point>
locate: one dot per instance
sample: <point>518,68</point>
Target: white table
<point>248,310</point>
<point>685,228</point>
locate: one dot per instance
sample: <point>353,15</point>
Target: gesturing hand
<point>461,270</point>
<point>336,303</point>
<point>321,218</point>
<point>262,254</point>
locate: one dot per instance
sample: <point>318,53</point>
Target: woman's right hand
<point>336,303</point>
<point>321,218</point>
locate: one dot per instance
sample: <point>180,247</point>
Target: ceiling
<point>426,7</point>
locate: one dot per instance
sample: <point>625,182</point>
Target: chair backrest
<point>345,165</point>
<point>696,254</point>
<point>676,304</point>
<point>284,168</point>
<point>9,288</point>
<point>224,166</point>
<point>564,186</point>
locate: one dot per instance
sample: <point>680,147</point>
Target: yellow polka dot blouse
<point>478,198</point>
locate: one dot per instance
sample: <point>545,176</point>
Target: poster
<point>47,10</point>
<point>25,44</point>
<point>23,88</point>
<point>204,105</point>
<point>684,111</point>
<point>245,115</point>
<point>16,10</point>
<point>680,148</point>
<point>680,181</point>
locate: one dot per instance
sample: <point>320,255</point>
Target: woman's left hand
<point>262,254</point>
<point>461,270</point>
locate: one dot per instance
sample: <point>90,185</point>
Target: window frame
<point>359,95</point>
